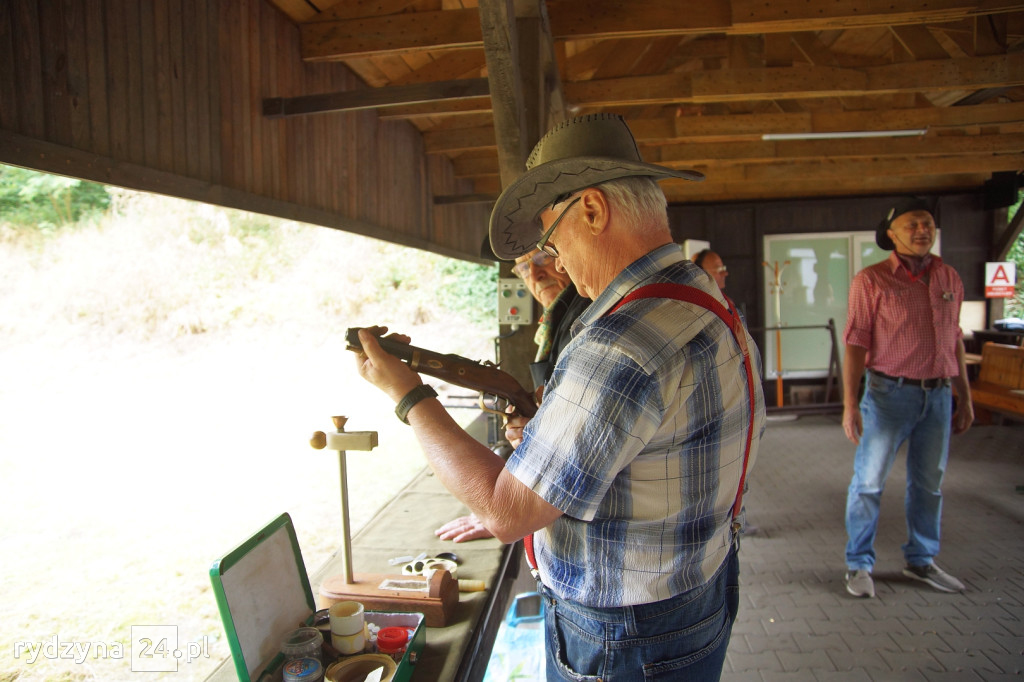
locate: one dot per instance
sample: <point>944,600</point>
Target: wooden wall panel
<point>116,76</point>
<point>8,110</point>
<point>166,96</point>
<point>136,85</point>
<point>56,107</point>
<point>95,96</point>
<point>148,113</point>
<point>28,81</point>
<point>77,80</point>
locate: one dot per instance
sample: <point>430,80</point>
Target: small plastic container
<point>392,641</point>
<point>303,643</point>
<point>303,670</point>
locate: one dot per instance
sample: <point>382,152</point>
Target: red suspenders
<point>688,294</point>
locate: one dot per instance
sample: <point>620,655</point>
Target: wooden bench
<point>1000,383</point>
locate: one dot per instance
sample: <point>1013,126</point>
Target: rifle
<point>455,369</point>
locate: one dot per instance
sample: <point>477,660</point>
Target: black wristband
<point>421,392</point>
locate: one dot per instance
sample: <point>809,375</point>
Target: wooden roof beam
<point>375,98</point>
<point>1004,152</point>
<point>366,36</point>
<point>973,73</point>
<point>655,131</point>
<point>711,191</point>
<point>698,153</point>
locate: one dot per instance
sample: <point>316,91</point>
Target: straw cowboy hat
<point>905,205</point>
<point>578,153</point>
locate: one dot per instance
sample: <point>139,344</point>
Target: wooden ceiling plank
<point>571,19</point>
<point>339,40</point>
<point>923,117</point>
<point>990,35</point>
<point>357,9</point>
<point>813,49</point>
<point>697,47</point>
<point>709,153</point>
<point>659,55</point>
<point>470,166</point>
<point>298,11</point>
<point>360,35</point>
<point>448,66</point>
<point>919,41</point>
<point>851,169</point>
<point>802,82</point>
<point>779,50</point>
<point>792,83</point>
<point>660,131</point>
<point>971,73</point>
<point>757,16</point>
<point>455,140</point>
<point>394,66</point>
<point>620,60</point>
<point>476,105</point>
<point>703,192</point>
<point>582,65</point>
<point>745,52</point>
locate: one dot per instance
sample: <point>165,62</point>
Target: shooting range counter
<point>404,526</point>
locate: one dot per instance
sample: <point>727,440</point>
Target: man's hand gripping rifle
<point>457,370</point>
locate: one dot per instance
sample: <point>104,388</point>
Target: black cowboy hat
<point>905,205</point>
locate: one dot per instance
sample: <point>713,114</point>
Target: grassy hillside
<point>162,369</point>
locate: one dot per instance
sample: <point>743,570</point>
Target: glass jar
<point>303,643</point>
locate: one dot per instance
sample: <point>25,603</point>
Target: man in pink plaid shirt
<point>904,328</point>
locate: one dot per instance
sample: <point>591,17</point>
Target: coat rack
<point>777,286</point>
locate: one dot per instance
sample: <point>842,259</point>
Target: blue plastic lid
<point>303,670</point>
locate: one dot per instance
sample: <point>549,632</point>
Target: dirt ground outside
<point>127,467</point>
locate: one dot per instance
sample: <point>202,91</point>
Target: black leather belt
<point>923,383</point>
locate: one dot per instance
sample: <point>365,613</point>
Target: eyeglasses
<point>540,259</point>
<point>721,269</point>
<point>543,243</point>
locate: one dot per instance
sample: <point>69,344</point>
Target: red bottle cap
<point>392,638</point>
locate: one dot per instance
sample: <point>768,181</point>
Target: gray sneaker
<point>934,576</point>
<point>859,583</point>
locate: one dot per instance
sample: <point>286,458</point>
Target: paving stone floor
<point>797,621</point>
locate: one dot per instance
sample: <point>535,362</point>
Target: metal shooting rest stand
<point>438,597</point>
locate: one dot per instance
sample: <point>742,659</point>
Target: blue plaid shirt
<point>640,442</point>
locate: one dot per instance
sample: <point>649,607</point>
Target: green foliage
<point>469,289</point>
<point>1015,306</point>
<point>155,268</point>
<point>45,202</point>
<point>426,287</point>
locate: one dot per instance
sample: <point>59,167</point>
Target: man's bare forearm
<point>477,476</point>
<point>854,362</point>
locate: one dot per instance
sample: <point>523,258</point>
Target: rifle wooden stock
<point>456,370</point>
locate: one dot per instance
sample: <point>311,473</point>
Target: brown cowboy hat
<point>578,153</point>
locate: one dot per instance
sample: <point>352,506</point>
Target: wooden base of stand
<point>437,603</point>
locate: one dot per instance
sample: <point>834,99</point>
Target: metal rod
<point>346,535</point>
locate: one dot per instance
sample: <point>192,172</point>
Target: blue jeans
<point>680,638</point>
<point>894,413</point>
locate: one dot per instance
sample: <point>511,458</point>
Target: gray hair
<point>641,201</point>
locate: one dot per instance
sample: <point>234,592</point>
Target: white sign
<point>1000,279</point>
